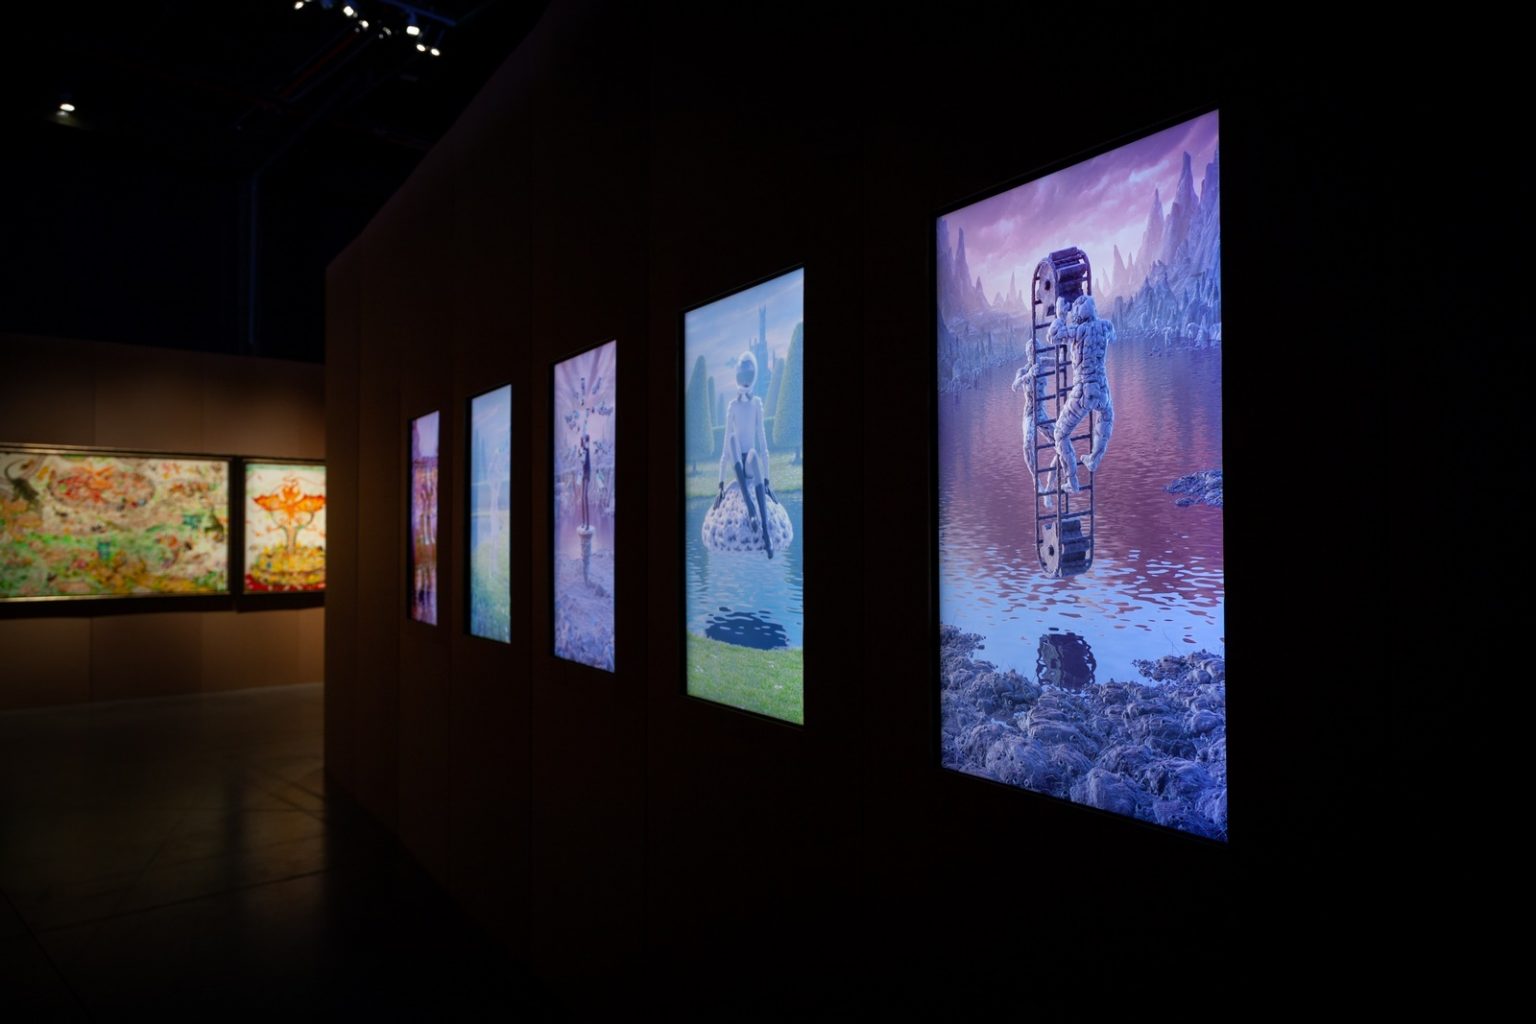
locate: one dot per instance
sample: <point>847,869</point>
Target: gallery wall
<point>65,392</point>
<point>626,165</point>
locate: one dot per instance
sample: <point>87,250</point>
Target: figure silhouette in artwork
<point>426,546</point>
<point>746,451</point>
<point>586,480</point>
<point>1088,341</point>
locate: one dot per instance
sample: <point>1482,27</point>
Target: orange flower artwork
<point>284,527</point>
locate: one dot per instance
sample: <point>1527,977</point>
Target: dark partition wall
<point>588,225</point>
<point>624,166</point>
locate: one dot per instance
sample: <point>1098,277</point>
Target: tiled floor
<point>184,855</point>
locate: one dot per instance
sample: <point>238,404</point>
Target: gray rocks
<point>1180,779</point>
<point>1107,791</point>
<point>1202,722</point>
<point>1186,670</point>
<point>1126,759</point>
<point>1154,749</point>
<point>1213,805</point>
<point>1018,762</point>
<point>980,739</point>
<point>1052,733</point>
<point>1198,489</point>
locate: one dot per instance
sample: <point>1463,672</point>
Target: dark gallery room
<point>934,722</point>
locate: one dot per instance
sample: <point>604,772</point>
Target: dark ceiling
<point>218,157</point>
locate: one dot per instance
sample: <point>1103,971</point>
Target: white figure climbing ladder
<point>1063,533</point>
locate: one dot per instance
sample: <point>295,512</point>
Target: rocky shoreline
<point>1154,749</point>
<point>1198,489</point>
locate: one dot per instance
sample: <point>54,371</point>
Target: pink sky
<point>1096,204</point>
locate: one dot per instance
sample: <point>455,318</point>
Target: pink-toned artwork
<point>423,596</point>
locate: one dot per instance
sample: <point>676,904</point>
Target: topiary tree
<point>698,437</point>
<point>788,418</point>
<point>771,405</point>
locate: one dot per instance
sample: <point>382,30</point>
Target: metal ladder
<point>1063,535</point>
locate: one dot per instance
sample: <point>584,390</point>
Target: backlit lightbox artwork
<point>1081,587</point>
<point>96,524</point>
<point>585,505</point>
<point>744,509</point>
<point>423,512</point>
<point>490,515</point>
<point>284,527</point>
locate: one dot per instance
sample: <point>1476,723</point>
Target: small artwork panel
<point>423,511</point>
<point>743,472</point>
<point>585,505</point>
<point>490,515</point>
<point>284,527</point>
<point>1082,581</point>
<point>104,524</point>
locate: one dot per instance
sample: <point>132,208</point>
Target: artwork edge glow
<point>1081,644</point>
<point>742,389</point>
<point>82,524</point>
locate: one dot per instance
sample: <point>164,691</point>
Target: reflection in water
<point>746,629</point>
<point>1065,660</point>
<point>1156,586</point>
<point>725,589</point>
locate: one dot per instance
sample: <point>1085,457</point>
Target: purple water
<point>747,598</point>
<point>1156,586</point>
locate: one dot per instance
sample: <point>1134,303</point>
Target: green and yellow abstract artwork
<point>79,524</point>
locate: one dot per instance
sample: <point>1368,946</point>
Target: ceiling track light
<point>66,107</point>
<point>424,37</point>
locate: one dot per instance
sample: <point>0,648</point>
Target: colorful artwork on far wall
<point>1082,593</point>
<point>78,524</point>
<point>744,538</point>
<point>585,505</point>
<point>490,515</point>
<point>284,527</point>
<point>423,511</point>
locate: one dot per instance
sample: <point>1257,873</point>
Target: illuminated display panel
<point>585,505</point>
<point>423,523</point>
<point>490,515</point>
<point>109,524</point>
<point>744,498</point>
<point>284,527</point>
<point>1081,586</point>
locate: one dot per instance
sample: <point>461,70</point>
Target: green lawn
<point>768,682</point>
<point>784,477</point>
